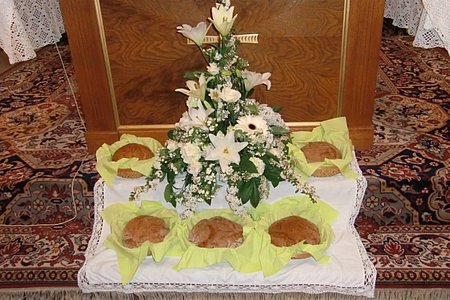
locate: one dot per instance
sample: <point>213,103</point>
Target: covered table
<point>27,25</point>
<point>349,272</point>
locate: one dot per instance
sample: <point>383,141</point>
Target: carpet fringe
<point>75,294</point>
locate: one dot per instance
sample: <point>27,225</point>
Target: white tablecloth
<point>349,272</point>
<point>427,20</point>
<point>27,25</point>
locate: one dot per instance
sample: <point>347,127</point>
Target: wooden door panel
<point>129,59</point>
<point>299,43</point>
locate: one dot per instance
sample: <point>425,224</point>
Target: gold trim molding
<point>251,38</point>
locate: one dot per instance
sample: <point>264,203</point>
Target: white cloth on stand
<point>427,20</point>
<point>349,272</point>
<point>27,25</point>
<point>435,19</point>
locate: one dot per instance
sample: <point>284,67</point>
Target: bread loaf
<point>216,232</point>
<point>291,230</point>
<point>144,228</point>
<point>318,152</point>
<point>131,150</point>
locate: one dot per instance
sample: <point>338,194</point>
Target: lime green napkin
<point>117,215</point>
<point>243,259</point>
<point>108,169</point>
<point>333,131</point>
<point>273,258</point>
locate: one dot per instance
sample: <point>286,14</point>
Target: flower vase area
<point>233,160</point>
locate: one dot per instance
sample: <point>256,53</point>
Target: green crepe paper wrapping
<point>333,131</point>
<point>129,259</point>
<point>243,259</point>
<point>108,169</point>
<point>273,258</point>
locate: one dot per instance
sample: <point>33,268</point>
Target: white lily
<point>214,94</point>
<point>226,149</point>
<point>213,69</point>
<point>196,34</point>
<point>223,19</point>
<point>199,116</point>
<point>196,89</point>
<point>252,79</point>
<point>229,95</point>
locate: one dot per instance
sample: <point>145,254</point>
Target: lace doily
<point>427,20</point>
<point>365,288</point>
<point>434,26</point>
<point>27,25</point>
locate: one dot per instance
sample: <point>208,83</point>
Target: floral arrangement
<point>224,136</point>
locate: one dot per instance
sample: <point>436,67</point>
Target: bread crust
<point>144,228</point>
<point>216,232</point>
<point>141,152</point>
<point>318,152</point>
<point>292,230</point>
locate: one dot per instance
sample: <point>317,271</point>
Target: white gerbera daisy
<point>252,125</point>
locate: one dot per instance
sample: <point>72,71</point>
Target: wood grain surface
<point>129,59</point>
<point>299,43</point>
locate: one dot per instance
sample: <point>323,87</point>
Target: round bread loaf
<point>216,232</point>
<point>291,230</point>
<point>144,228</point>
<point>131,150</point>
<point>318,152</point>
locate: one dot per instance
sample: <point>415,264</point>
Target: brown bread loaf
<point>139,151</point>
<point>216,232</point>
<point>144,228</point>
<point>318,152</point>
<point>291,230</point>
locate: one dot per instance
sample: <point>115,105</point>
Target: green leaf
<point>222,126</point>
<point>169,194</point>
<point>207,200</point>
<point>249,191</point>
<point>268,157</point>
<point>252,108</point>
<point>273,174</point>
<point>246,164</point>
<point>170,134</point>
<point>278,130</point>
<point>170,177</point>
<point>277,108</point>
<point>179,164</point>
<point>192,75</point>
<point>163,152</point>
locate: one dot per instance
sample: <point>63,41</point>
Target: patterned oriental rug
<point>47,177</point>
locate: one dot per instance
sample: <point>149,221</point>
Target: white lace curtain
<point>427,20</point>
<point>27,25</point>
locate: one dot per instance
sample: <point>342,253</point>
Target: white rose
<point>194,168</point>
<point>229,95</point>
<point>190,153</point>
<point>171,145</point>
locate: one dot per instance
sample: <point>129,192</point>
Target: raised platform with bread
<point>349,270</point>
<point>233,199</point>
